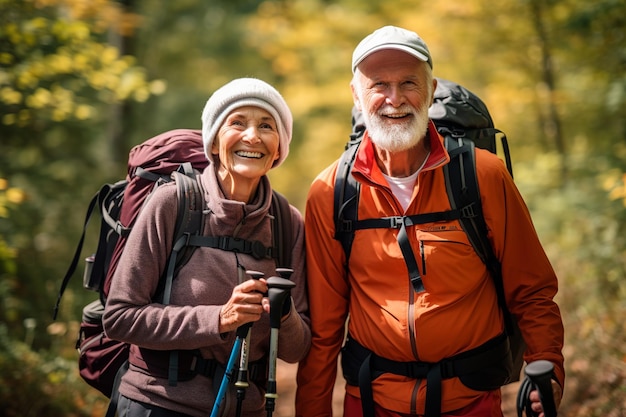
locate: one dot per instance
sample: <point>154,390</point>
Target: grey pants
<point>131,408</point>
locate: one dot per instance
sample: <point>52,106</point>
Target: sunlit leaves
<point>10,197</point>
<point>54,67</point>
<point>62,75</point>
<point>615,183</point>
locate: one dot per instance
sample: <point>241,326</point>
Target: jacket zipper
<point>412,335</point>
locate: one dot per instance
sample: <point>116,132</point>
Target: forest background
<point>82,81</point>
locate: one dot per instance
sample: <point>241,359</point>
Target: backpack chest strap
<point>396,222</point>
<point>401,222</point>
<point>254,248</point>
<point>229,243</point>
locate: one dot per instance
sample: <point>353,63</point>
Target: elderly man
<point>394,326</point>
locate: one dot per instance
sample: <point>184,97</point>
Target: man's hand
<point>536,406</point>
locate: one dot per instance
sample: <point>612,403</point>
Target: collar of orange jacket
<point>366,157</point>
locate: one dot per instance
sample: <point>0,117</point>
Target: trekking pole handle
<point>278,289</point>
<point>284,272</point>
<point>540,373</point>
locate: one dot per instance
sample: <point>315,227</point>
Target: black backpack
<point>176,155</point>
<point>464,121</point>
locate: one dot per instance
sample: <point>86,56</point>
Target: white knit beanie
<point>246,92</point>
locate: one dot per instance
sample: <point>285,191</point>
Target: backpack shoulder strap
<point>346,197</point>
<point>464,195</point>
<point>189,221</point>
<point>282,230</point>
<point>463,192</point>
<point>190,207</point>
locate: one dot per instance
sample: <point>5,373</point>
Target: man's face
<point>394,91</point>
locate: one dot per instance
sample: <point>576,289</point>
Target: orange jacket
<point>458,310</point>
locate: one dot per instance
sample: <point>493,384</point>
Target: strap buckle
<point>396,222</point>
<point>346,226</point>
<point>468,211</point>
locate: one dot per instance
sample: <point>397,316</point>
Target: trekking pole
<point>278,290</point>
<point>284,272</point>
<point>230,367</point>
<point>242,332</point>
<point>538,377</point>
<point>242,382</point>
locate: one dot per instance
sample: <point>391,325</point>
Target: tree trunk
<point>551,122</point>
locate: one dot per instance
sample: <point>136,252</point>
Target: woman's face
<point>247,144</point>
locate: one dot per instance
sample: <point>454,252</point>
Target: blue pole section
<point>230,367</point>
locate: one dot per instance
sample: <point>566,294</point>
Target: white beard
<point>399,136</point>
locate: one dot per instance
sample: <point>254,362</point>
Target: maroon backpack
<point>152,163</point>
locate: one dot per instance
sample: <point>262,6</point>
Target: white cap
<point>391,37</point>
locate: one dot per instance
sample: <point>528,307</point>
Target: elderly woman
<point>246,132</point>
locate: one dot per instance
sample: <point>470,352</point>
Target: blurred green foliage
<point>82,82</point>
<point>60,83</point>
<point>36,384</point>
